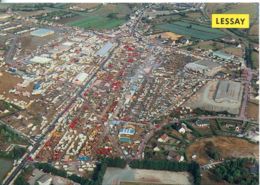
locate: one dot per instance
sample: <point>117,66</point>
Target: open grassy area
<point>5,167</point>
<point>190,29</point>
<point>97,22</point>
<point>209,44</point>
<point>105,17</point>
<point>255,59</point>
<point>242,8</point>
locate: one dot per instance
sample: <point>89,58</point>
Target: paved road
<point>248,73</point>
<point>11,52</point>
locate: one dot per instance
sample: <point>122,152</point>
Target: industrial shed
<point>222,55</point>
<point>104,50</point>
<point>206,67</point>
<point>42,32</point>
<point>41,60</point>
<point>228,91</point>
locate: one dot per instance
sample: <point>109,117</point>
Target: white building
<point>80,78</point>
<point>45,180</point>
<point>41,60</point>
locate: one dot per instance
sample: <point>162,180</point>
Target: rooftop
<point>222,55</point>
<point>103,51</point>
<point>42,32</point>
<point>228,91</point>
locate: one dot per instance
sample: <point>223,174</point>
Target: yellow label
<point>230,21</point>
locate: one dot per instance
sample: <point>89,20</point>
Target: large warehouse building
<point>228,91</point>
<point>42,32</point>
<point>41,60</point>
<point>104,50</point>
<point>219,96</point>
<point>222,55</point>
<point>206,67</point>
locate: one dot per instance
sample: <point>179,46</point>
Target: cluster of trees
<point>192,167</point>
<point>52,15</point>
<point>194,131</point>
<point>8,134</point>
<point>20,180</point>
<point>114,162</point>
<point>16,153</point>
<point>237,171</point>
<point>199,111</point>
<point>112,15</point>
<point>212,151</point>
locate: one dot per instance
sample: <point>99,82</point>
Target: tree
<point>20,180</point>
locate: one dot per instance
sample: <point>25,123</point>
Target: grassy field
<point>246,8</point>
<point>99,19</point>
<point>5,167</point>
<point>193,30</point>
<point>209,44</point>
<point>255,59</point>
<point>97,22</point>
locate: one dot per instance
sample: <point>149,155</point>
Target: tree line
<point>16,153</point>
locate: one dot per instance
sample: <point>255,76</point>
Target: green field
<point>241,8</point>
<point>255,59</point>
<point>193,30</point>
<point>5,166</point>
<point>97,22</point>
<point>100,19</point>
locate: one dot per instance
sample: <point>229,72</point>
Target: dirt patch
<point>253,111</point>
<point>234,51</point>
<point>9,81</point>
<point>115,175</point>
<point>29,43</point>
<point>87,5</point>
<point>227,146</point>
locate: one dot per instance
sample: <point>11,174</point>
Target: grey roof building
<point>222,55</point>
<point>104,50</point>
<point>228,91</point>
<point>45,180</point>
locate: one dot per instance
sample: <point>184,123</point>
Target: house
<point>45,180</point>
<point>156,149</point>
<point>173,155</point>
<point>163,139</point>
<point>181,130</point>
